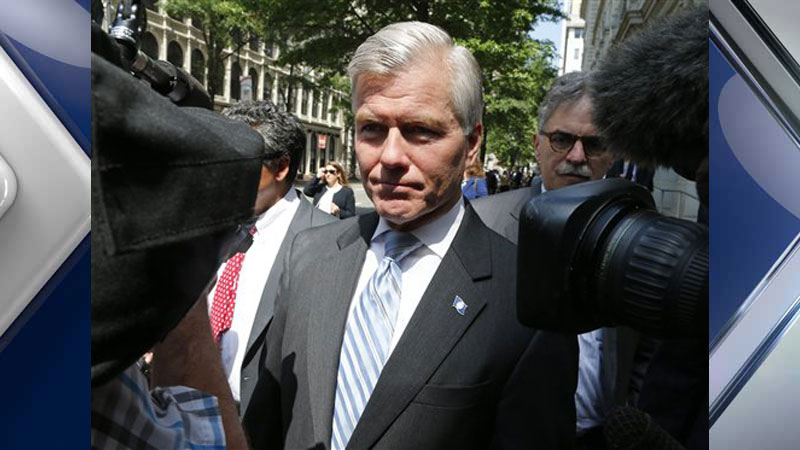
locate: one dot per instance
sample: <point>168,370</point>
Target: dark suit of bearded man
<point>460,371</point>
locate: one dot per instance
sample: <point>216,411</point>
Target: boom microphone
<point>658,76</point>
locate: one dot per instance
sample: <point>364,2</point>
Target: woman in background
<point>331,191</point>
<point>474,184</point>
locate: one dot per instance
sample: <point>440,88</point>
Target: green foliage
<point>517,69</point>
<point>225,24</point>
<point>323,34</point>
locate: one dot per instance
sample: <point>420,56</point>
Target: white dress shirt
<point>589,401</point>
<point>271,228</point>
<point>417,268</point>
<point>327,198</point>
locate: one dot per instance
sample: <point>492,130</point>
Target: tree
<point>323,34</point>
<point>225,24</point>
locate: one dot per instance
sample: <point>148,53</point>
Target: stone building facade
<point>181,43</point>
<point>573,30</point>
<point>609,22</point>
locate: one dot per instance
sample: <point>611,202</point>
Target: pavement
<point>363,203</point>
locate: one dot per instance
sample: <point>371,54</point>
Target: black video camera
<point>598,253</point>
<point>602,255</point>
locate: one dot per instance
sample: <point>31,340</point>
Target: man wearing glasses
<point>570,151</point>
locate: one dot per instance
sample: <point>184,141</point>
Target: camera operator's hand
<point>189,357</point>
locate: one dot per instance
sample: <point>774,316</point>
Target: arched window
<point>331,147</point>
<point>267,86</point>
<point>236,88</point>
<point>315,104</point>
<point>312,156</point>
<point>254,82</point>
<point>150,45</point>
<point>199,66</point>
<point>304,105</point>
<point>282,95</point>
<point>175,54</point>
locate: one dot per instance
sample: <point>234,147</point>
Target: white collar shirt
<point>271,228</point>
<point>327,198</point>
<point>418,268</point>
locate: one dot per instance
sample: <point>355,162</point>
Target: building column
<point>187,59</point>
<point>327,114</point>
<point>273,89</point>
<point>308,152</point>
<point>298,89</point>
<point>226,81</point>
<point>260,88</point>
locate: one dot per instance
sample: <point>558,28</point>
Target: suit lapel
<point>512,227</point>
<point>327,319</point>
<point>432,332</point>
<point>300,221</point>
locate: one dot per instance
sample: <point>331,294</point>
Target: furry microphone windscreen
<point>650,93</point>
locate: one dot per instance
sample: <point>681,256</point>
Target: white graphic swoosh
<point>760,144</point>
<point>58,29</point>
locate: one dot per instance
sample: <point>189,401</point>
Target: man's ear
<point>474,141</point>
<point>281,168</point>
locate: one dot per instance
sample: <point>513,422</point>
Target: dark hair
<point>283,134</point>
<point>650,93</point>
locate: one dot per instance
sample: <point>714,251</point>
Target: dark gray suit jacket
<point>625,352</point>
<point>305,217</point>
<point>453,381</point>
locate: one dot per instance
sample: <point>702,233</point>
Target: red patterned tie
<point>225,295</point>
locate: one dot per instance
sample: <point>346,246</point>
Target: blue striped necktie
<point>367,336</point>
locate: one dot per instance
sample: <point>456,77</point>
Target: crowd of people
<point>396,328</point>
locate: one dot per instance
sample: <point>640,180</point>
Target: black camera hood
<point>560,222</point>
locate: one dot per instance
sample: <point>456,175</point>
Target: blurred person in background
<point>474,184</point>
<point>331,191</point>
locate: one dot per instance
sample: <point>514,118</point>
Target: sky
<point>551,31</point>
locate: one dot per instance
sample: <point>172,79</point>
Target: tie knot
<point>399,244</point>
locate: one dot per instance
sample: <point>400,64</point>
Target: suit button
<point>245,378</point>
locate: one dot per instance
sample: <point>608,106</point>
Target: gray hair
<point>399,45</point>
<point>566,89</point>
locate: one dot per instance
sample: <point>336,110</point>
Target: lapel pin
<point>459,305</point>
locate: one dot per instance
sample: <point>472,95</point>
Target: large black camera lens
<point>599,254</point>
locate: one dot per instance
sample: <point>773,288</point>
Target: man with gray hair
<point>612,360</point>
<point>568,150</point>
<point>398,329</point>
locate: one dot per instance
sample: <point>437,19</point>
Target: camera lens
<point>598,254</point>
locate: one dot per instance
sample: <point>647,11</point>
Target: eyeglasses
<point>332,172</point>
<point>593,146</point>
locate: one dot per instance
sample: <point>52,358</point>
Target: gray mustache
<point>581,170</point>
